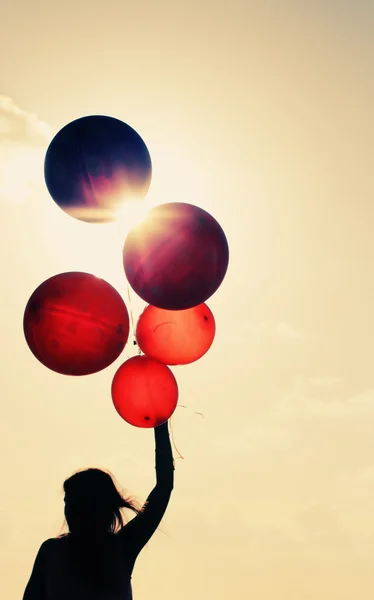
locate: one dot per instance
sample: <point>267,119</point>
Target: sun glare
<point>132,213</point>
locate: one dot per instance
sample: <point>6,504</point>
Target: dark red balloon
<point>76,324</point>
<point>177,257</point>
<point>144,392</point>
<point>176,337</point>
<point>94,165</point>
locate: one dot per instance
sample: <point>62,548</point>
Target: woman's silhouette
<point>95,560</point>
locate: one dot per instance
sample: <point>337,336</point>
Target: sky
<point>261,113</point>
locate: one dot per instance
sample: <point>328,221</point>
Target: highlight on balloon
<point>76,324</point>
<point>131,214</point>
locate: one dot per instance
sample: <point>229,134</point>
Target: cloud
<point>318,519</point>
<point>361,480</point>
<point>322,397</point>
<point>281,329</point>
<point>23,141</point>
<point>287,330</point>
<point>325,381</point>
<point>21,127</point>
<point>260,327</point>
<point>255,438</point>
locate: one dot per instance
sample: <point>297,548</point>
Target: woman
<point>95,560</point>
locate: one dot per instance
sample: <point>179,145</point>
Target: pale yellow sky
<point>262,114</point>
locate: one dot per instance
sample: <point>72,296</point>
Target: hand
<point>163,425</point>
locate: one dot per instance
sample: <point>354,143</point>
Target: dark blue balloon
<point>94,165</point>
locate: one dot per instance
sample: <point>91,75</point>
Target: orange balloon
<point>176,337</point>
<point>144,392</point>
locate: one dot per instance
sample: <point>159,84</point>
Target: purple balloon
<point>177,257</point>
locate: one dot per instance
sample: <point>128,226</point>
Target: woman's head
<point>93,504</point>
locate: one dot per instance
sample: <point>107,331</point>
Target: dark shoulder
<point>55,541</point>
<point>49,545</point>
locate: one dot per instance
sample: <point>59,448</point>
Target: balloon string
<point>195,412</point>
<point>131,311</point>
<point>172,439</point>
<point>172,431</point>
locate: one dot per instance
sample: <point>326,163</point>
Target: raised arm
<point>164,459</point>
<point>138,532</point>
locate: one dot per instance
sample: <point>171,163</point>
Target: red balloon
<point>144,392</point>
<point>177,257</point>
<point>76,324</point>
<point>176,337</point>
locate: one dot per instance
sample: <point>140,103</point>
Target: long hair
<point>93,512</point>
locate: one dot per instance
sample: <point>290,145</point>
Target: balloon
<point>76,324</point>
<point>176,337</point>
<point>95,164</point>
<point>177,257</point>
<point>144,392</point>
